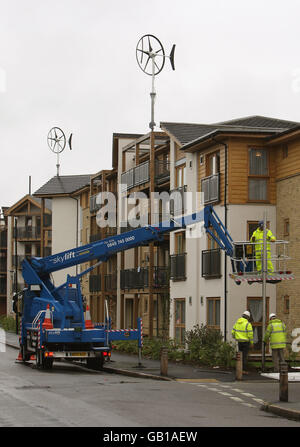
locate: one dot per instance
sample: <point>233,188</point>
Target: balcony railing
<point>95,283</point>
<point>28,232</point>
<point>134,279</point>
<point>111,281</point>
<point>211,263</point>
<point>135,176</point>
<point>94,206</point>
<point>139,278</point>
<point>162,171</point>
<point>178,267</point>
<point>210,186</point>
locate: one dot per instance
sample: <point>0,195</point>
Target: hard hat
<point>261,223</point>
<point>247,313</point>
<point>271,316</point>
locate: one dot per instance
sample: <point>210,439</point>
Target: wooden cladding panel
<point>290,165</point>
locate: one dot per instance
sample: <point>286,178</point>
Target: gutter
<point>225,223</point>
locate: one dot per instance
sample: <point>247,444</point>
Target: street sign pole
<point>264,289</point>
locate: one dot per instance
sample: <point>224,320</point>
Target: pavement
<point>130,365</point>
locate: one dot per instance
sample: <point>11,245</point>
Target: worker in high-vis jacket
<point>242,332</point>
<point>276,333</point>
<point>258,238</point>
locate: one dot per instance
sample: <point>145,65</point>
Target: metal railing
<point>95,283</point>
<point>211,263</point>
<point>162,171</point>
<point>178,267</point>
<point>210,186</point>
<point>248,257</point>
<point>138,278</point>
<point>28,233</point>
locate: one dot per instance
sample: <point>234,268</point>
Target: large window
<point>180,320</point>
<point>258,175</point>
<point>213,313</point>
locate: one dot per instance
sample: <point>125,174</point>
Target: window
<point>286,227</point>
<point>213,313</point>
<point>252,226</point>
<point>129,312</point>
<point>258,175</point>
<point>213,164</point>
<point>179,325</point>
<point>180,179</point>
<point>180,242</point>
<point>286,304</point>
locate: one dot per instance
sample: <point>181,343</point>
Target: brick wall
<point>288,201</point>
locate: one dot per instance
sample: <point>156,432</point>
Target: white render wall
<point>64,231</point>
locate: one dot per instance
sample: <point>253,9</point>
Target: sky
<point>72,64</point>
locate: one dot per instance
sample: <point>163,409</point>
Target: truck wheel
<point>95,363</point>
<point>42,362</point>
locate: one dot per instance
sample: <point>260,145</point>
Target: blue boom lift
<point>53,324</point>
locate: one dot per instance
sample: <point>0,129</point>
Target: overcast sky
<point>72,64</point>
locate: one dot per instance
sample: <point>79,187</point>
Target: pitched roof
<point>261,121</point>
<point>63,185</point>
<point>187,134</point>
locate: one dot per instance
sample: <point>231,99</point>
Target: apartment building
<point>67,196</point>
<point>29,233</point>
<point>237,165</point>
<point>143,272</point>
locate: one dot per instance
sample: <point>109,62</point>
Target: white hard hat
<point>271,316</point>
<point>246,313</point>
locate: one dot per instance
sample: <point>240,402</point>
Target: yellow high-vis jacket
<point>242,330</point>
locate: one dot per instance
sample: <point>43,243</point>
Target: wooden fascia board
<point>218,136</point>
<point>283,138</point>
<point>12,210</point>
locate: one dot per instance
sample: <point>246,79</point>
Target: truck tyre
<point>42,362</point>
<point>95,363</point>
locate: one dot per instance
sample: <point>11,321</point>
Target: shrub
<point>206,346</point>
<point>8,323</point>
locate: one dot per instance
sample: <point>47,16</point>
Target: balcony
<point>139,278</point>
<point>95,283</point>
<point>135,176</point>
<point>134,279</point>
<point>178,267</point>
<point>162,172</point>
<point>94,206</point>
<point>211,263</point>
<point>27,233</point>
<point>210,186</point>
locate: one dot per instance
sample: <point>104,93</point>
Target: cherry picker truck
<point>52,323</point>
